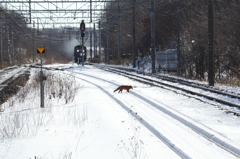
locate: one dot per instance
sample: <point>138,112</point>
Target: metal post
<point>30,11</point>
<point>153,36</point>
<point>12,41</point>
<point>41,86</point>
<point>37,27</point>
<point>94,40</point>
<point>50,47</point>
<point>91,11</point>
<point>210,44</point>
<point>107,42</point>
<point>33,41</point>
<point>119,37</point>
<point>179,57</point>
<point>91,44</point>
<point>99,41</point>
<point>83,53</point>
<point>8,45</point>
<point>133,34</point>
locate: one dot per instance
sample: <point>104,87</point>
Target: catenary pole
<point>107,42</point>
<point>133,34</point>
<point>153,35</point>
<point>179,56</point>
<point>99,42</point>
<point>94,40</point>
<point>210,44</point>
<point>91,44</point>
<point>119,36</point>
<point>13,53</point>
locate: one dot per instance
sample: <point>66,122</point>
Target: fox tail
<point>116,89</point>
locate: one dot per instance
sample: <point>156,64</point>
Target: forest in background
<point>19,42</point>
<point>193,29</point>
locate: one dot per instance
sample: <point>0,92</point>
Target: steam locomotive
<point>80,53</point>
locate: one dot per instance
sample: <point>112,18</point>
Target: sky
<point>99,123</point>
<point>58,17</point>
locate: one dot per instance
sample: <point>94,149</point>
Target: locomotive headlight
<point>83,51</point>
<point>78,50</point>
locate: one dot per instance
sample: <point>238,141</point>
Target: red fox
<point>126,87</point>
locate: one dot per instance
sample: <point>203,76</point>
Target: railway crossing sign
<point>40,50</point>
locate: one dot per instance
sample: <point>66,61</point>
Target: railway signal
<point>82,28</point>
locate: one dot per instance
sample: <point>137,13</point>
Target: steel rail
<point>155,82</point>
<point>188,83</point>
<point>147,125</point>
<point>207,135</point>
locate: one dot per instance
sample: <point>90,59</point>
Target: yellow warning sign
<point>40,50</point>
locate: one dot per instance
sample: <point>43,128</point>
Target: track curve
<point>153,106</point>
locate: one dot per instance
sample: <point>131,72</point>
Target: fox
<point>126,87</point>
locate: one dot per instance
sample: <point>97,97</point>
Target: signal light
<point>82,26</point>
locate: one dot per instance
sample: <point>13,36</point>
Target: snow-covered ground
<point>98,123</point>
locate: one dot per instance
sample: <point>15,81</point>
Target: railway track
<point>10,74</point>
<point>194,89</point>
<point>160,113</point>
<point>160,110</point>
<point>11,79</point>
<point>198,91</point>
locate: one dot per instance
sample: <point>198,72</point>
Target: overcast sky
<point>58,17</point>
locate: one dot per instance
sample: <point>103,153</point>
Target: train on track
<point>80,54</point>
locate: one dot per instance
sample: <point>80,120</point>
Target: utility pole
<point>94,40</point>
<point>37,27</point>
<point>91,11</point>
<point>133,34</point>
<point>33,45</point>
<point>210,44</point>
<point>30,12</point>
<point>179,56</point>
<point>153,35</point>
<point>107,42</point>
<point>119,37</point>
<point>12,41</point>
<point>50,47</point>
<point>91,43</point>
<point>8,44</point>
<point>99,41</point>
<point>33,40</point>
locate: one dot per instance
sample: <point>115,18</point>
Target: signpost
<point>41,51</point>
